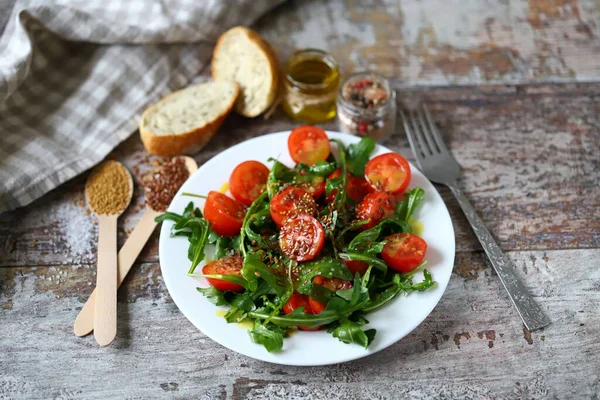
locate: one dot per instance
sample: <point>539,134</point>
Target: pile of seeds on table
<point>162,185</point>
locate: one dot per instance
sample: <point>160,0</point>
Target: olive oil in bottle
<point>312,78</point>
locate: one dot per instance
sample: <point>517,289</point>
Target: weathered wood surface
<point>531,169</point>
<point>471,346</point>
<point>449,41</point>
<point>529,153</point>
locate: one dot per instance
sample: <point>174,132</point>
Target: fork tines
<point>423,136</point>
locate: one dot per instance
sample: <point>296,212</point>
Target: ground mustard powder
<point>107,188</point>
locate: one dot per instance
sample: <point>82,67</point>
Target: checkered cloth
<point>74,74</point>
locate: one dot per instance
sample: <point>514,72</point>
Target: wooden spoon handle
<point>105,312</point>
<point>84,323</point>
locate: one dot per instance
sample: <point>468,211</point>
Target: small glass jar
<point>366,106</point>
<point>312,78</point>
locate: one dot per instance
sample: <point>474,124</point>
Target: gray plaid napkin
<point>74,74</point>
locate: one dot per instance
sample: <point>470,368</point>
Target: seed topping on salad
<point>318,245</point>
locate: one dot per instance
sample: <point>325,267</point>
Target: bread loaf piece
<point>242,56</point>
<point>186,120</point>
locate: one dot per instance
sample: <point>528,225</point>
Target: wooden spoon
<point>105,320</point>
<point>84,323</point>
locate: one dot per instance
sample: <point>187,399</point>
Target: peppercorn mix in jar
<point>366,106</point>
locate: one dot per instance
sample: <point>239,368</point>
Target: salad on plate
<point>316,246</point>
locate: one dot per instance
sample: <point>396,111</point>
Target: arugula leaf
<point>168,216</point>
<point>256,204</point>
<point>359,154</point>
<point>340,184</point>
<point>336,309</point>
<point>368,258</point>
<point>197,242</point>
<point>382,298</point>
<point>213,295</point>
<point>408,286</point>
<point>321,294</point>
<point>271,338</point>
<point>367,239</point>
<point>192,225</point>
<point>222,247</point>
<point>241,305</point>
<point>214,236</point>
<point>406,208</point>
<point>321,168</point>
<point>277,174</point>
<point>254,269</point>
<point>400,284</point>
<point>326,267</point>
<point>351,332</point>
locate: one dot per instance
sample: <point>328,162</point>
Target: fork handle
<point>532,315</point>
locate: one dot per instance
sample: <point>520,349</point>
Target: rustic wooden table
<point>513,87</point>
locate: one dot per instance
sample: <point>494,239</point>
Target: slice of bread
<point>186,120</point>
<point>242,56</point>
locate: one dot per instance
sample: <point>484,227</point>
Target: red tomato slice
<point>301,237</point>
<point>356,188</point>
<point>290,201</point>
<point>389,172</point>
<point>247,181</point>
<point>298,300</point>
<point>355,266</point>
<point>225,214</point>
<point>404,251</point>
<point>375,207</point>
<point>316,306</point>
<point>308,145</point>
<point>230,265</point>
<point>316,188</point>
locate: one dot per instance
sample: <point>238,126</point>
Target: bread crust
<point>183,143</point>
<point>269,53</point>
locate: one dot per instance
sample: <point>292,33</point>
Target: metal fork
<point>438,165</point>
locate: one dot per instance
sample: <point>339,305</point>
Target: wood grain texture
<point>471,346</point>
<point>529,149</point>
<point>529,155</point>
<point>440,42</point>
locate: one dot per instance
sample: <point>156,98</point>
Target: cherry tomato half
<point>331,284</point>
<point>404,251</point>
<point>225,214</point>
<point>301,237</point>
<point>355,266</point>
<point>356,188</point>
<point>290,201</point>
<point>389,172</point>
<point>375,207</point>
<point>247,181</point>
<point>299,300</point>
<point>308,145</point>
<point>230,265</point>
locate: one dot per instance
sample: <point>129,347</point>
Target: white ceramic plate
<point>393,321</point>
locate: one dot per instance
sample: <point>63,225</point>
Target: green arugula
<point>192,225</point>
<point>359,154</point>
<point>326,267</point>
<point>406,207</point>
<point>269,278</point>
<point>270,337</point>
